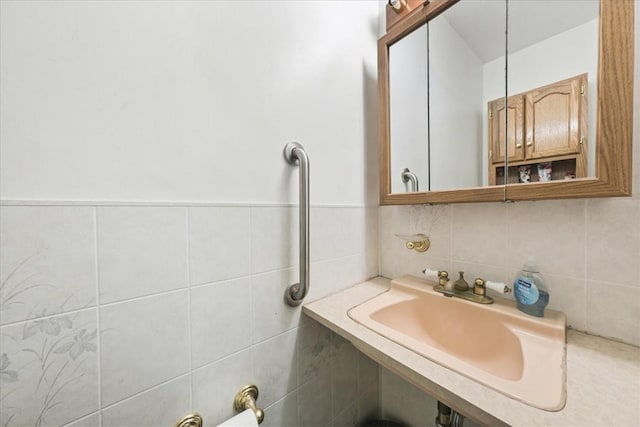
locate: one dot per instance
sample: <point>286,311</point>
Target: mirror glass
<point>441,76</point>
<point>466,70</point>
<point>465,115</point>
<point>552,91</point>
<point>409,112</point>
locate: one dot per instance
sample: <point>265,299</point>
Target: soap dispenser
<point>530,291</point>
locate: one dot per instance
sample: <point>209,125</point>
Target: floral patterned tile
<point>49,370</point>
<point>47,261</point>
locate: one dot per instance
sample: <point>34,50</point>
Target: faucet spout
<point>461,284</point>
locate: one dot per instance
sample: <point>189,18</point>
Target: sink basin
<point>496,345</point>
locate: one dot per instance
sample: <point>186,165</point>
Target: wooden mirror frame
<point>614,118</point>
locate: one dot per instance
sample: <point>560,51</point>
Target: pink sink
<point>518,355</point>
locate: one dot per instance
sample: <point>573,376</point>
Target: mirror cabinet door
<point>466,71</point>
<point>441,77</point>
<point>409,113</point>
<point>552,89</point>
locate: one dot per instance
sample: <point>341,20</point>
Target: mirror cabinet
<point>489,100</point>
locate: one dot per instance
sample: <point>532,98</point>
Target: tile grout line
<point>507,238</point>
<point>451,217</point>
<point>49,316</point>
<point>251,331</point>
<point>189,334</point>
<point>144,391</point>
<point>379,223</point>
<point>99,334</point>
<point>331,376</point>
<point>160,203</point>
<point>585,297</point>
<point>251,275</point>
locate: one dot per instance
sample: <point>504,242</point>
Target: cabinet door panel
<point>510,129</point>
<point>552,119</point>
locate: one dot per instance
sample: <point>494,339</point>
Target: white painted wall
<point>187,101</point>
<point>409,109</point>
<point>455,84</point>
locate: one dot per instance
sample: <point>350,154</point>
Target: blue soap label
<point>526,291</point>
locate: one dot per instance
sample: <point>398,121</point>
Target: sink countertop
<point>603,376</point>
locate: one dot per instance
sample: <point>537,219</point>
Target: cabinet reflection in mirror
<point>546,134</point>
<point>552,84</point>
<point>470,112</point>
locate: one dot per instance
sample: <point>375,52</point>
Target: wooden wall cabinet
<point>546,124</point>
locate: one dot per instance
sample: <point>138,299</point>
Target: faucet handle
<point>443,277</point>
<point>479,287</point>
<point>436,274</point>
<point>431,273</point>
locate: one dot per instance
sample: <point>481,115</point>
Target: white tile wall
<point>272,316</point>
<point>137,315</point>
<point>274,238</point>
<point>344,379</point>
<point>143,343</point>
<point>156,407</point>
<point>48,261</point>
<point>314,403</point>
<point>219,243</point>
<point>89,421</point>
<point>220,310</point>
<point>402,402</point>
<point>141,251</point>
<point>284,412</point>
<point>48,361</point>
<point>275,364</point>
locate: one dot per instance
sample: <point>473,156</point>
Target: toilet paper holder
<point>244,399</point>
<point>191,420</point>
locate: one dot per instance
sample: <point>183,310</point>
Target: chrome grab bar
<point>407,176</point>
<point>295,293</point>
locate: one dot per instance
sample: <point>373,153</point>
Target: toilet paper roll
<point>246,418</point>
